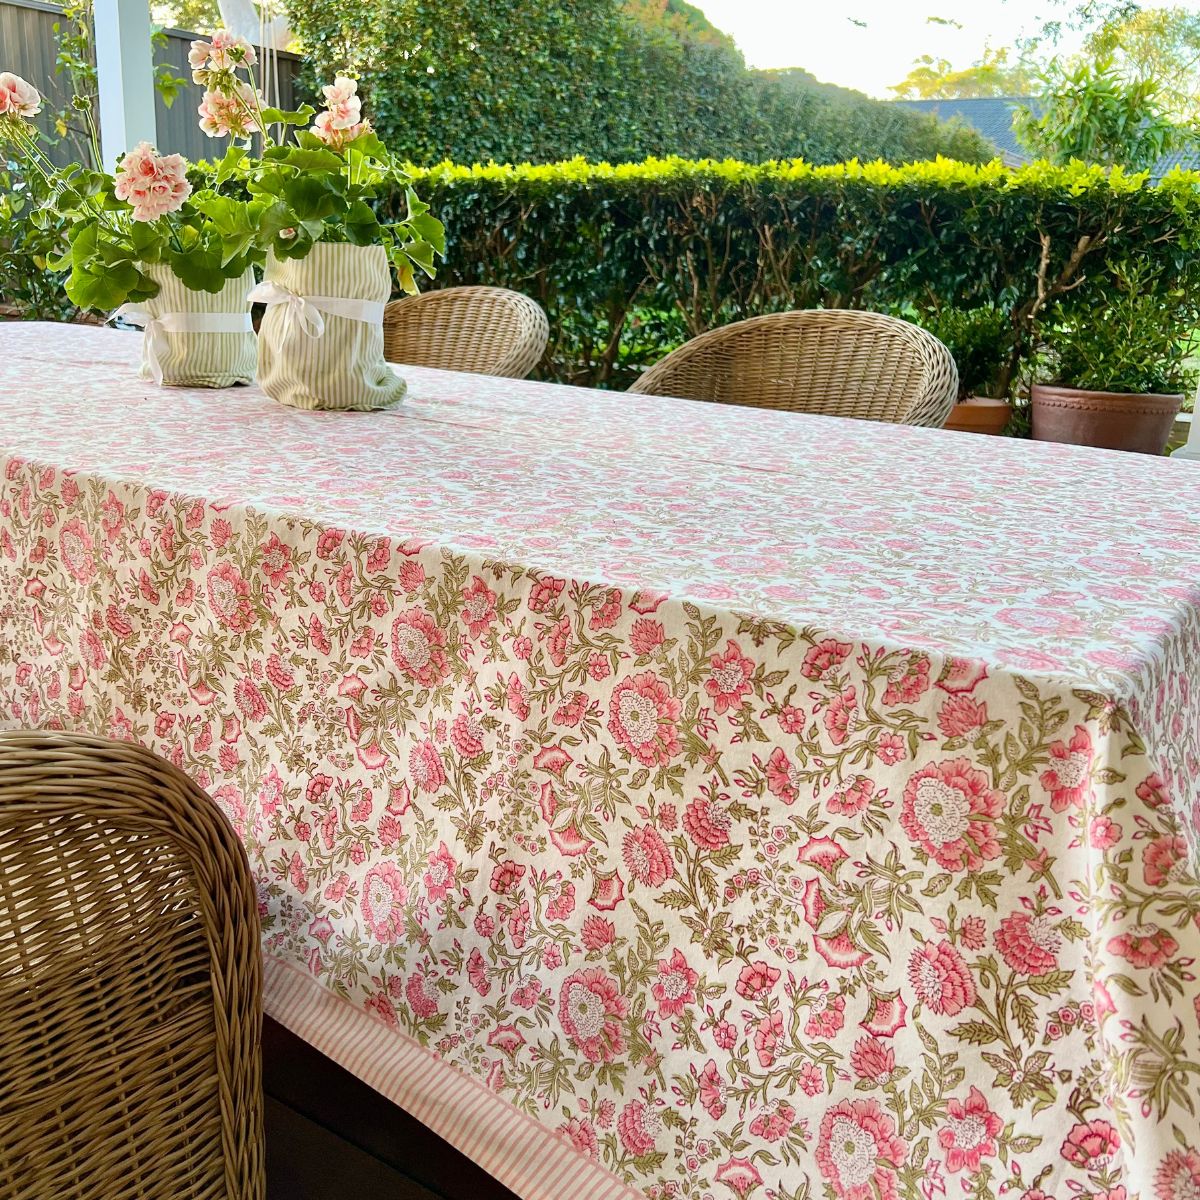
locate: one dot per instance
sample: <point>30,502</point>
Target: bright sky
<point>822,35</point>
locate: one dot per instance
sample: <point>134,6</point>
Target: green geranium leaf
<point>369,145</point>
<point>281,116</point>
<point>200,269</point>
<point>229,166</point>
<point>362,225</point>
<point>314,197</point>
<point>431,230</point>
<point>147,241</point>
<point>294,247</point>
<point>305,160</point>
<point>421,253</point>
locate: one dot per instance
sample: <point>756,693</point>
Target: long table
<point>655,798</point>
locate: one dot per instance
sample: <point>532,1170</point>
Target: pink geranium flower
<point>18,98</point>
<point>342,102</point>
<point>231,114</point>
<point>225,52</point>
<point>153,184</point>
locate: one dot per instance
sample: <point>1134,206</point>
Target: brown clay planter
<point>979,414</point>
<point>1110,420</point>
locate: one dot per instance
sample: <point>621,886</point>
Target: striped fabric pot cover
<point>321,342</point>
<point>198,356</point>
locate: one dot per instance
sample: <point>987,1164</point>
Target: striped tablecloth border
<point>510,1146</point>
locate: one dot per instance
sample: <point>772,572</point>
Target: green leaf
<point>312,197</point>
<point>281,116</point>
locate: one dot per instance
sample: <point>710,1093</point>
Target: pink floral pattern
<point>753,834</point>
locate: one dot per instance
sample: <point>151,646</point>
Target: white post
<point>1191,448</point>
<point>125,76</point>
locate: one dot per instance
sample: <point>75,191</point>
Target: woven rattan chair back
<point>838,362</point>
<point>130,978</point>
<point>485,330</point>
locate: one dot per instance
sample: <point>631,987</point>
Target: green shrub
<point>521,81</point>
<point>28,238</point>
<point>629,261</point>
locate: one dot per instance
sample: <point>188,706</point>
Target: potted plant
<point>977,339</point>
<point>1119,371</point>
<point>137,244</point>
<point>307,204</point>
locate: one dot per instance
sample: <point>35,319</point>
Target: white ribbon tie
<point>157,328</point>
<point>303,313</point>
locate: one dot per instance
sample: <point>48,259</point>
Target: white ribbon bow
<point>157,328</point>
<point>303,313</point>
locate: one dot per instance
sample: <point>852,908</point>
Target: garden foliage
<point>630,261</point>
<point>514,81</point>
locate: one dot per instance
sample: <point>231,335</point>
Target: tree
<point>1092,112</point>
<point>196,16</point>
<point>993,75</point>
<point>1162,44</point>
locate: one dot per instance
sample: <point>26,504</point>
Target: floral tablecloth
<point>657,798</point>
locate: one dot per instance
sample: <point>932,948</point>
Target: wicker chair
<point>486,330</point>
<point>130,973</point>
<point>838,362</point>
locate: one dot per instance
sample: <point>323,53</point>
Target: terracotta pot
<point>979,414</point>
<point>1111,420</point>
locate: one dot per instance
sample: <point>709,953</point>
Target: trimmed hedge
<point>630,261</point>
<point>536,80</point>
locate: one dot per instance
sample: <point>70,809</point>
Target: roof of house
<point>992,117</point>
